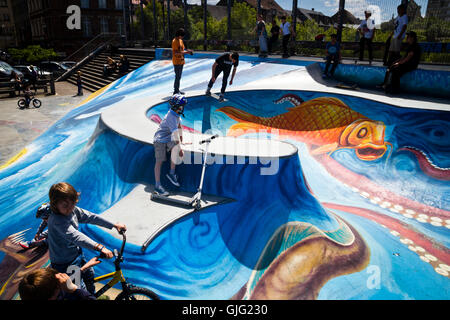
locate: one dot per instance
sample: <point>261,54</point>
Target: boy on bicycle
<point>65,241</point>
<point>27,95</point>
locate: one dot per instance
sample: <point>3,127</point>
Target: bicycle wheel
<point>137,293</point>
<point>36,103</point>
<point>21,103</point>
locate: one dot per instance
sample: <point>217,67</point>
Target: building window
<point>120,26</point>
<point>85,3</point>
<point>87,27</point>
<point>4,3</point>
<point>119,4</point>
<point>102,4</point>
<point>104,25</point>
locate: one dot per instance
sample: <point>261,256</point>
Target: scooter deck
<point>175,199</point>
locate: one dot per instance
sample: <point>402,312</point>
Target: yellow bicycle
<point>129,291</point>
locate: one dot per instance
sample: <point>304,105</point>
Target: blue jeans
<point>87,276</point>
<point>335,60</point>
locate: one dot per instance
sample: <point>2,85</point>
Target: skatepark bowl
<point>311,191</point>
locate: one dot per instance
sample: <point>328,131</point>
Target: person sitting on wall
<point>404,65</point>
<point>333,52</point>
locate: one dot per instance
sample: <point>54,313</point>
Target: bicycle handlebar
<point>124,240</point>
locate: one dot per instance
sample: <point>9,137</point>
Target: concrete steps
<point>92,72</point>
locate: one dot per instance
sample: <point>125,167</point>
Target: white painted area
<point>129,119</point>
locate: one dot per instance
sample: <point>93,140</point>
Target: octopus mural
<point>327,124</point>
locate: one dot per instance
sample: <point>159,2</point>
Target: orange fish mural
<point>326,123</point>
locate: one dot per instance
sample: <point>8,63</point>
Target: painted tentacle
<point>292,98</point>
<point>427,166</point>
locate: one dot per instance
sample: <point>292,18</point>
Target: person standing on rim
<point>367,31</point>
<point>261,32</point>
<point>286,29</point>
<point>178,52</point>
<point>400,25</point>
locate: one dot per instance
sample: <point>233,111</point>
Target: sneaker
<point>24,245</point>
<point>221,98</point>
<point>161,191</point>
<point>173,178</point>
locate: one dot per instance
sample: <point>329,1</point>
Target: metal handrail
<point>91,41</point>
<point>92,54</point>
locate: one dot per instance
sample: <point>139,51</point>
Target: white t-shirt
<point>398,26</point>
<point>364,25</point>
<point>285,28</point>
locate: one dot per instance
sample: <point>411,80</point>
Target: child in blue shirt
<point>167,139</point>
<point>333,56</point>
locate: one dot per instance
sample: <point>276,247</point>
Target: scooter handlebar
<point>209,139</point>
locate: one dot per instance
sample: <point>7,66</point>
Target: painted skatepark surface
<point>359,209</point>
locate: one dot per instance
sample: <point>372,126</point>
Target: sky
<point>382,9</point>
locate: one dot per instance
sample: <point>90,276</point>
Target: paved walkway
<point>18,127</point>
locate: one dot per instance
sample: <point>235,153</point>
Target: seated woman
<point>406,64</point>
<point>109,67</point>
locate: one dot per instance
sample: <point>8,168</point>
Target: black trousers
<point>273,40</point>
<point>286,39</point>
<point>226,74</point>
<point>362,44</point>
<point>393,75</point>
<point>178,71</point>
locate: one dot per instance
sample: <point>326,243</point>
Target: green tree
<point>32,54</point>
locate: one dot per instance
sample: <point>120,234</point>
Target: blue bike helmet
<point>177,100</point>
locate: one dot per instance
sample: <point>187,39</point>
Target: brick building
<point>48,19</point>
<point>14,23</point>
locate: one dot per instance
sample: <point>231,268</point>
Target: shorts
<point>161,150</point>
<point>396,45</point>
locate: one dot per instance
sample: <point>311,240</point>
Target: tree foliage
<point>32,54</point>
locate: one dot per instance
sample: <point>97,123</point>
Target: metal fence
<point>230,24</point>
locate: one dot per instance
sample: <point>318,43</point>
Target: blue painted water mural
<point>214,259</point>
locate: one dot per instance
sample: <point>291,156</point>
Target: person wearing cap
<point>223,63</point>
<point>406,64</point>
<point>168,138</point>
<point>178,52</point>
<point>367,31</point>
<point>397,36</point>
